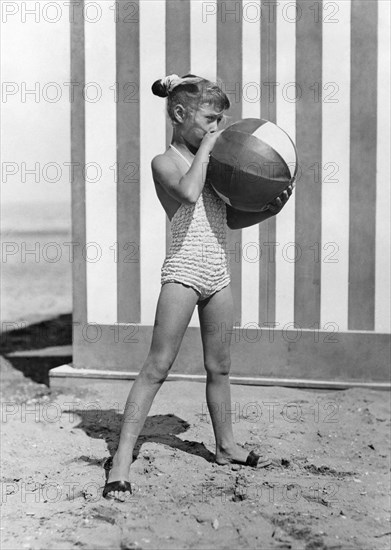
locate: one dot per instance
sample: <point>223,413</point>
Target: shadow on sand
<point>39,347</point>
<point>162,429</point>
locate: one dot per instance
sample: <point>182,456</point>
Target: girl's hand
<point>209,140</point>
<point>277,205</point>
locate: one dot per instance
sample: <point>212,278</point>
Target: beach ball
<point>252,162</point>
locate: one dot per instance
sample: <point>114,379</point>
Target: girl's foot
<point>238,455</point>
<point>117,486</point>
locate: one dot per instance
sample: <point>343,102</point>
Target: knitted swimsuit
<point>198,253</point>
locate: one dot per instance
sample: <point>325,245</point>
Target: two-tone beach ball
<point>251,164</point>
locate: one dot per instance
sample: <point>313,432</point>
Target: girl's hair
<point>190,91</point>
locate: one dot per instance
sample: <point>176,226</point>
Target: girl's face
<point>198,123</point>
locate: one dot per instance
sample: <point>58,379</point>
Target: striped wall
<point>318,69</point>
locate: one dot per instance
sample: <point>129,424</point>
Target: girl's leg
<point>174,310</point>
<point>216,320</point>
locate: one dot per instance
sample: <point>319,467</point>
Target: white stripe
<point>203,55</point>
<point>152,143</point>
<point>251,78</point>
<point>203,33</point>
<point>334,252</point>
<point>286,119</point>
<point>278,140</point>
<point>383,200</point>
<point>101,146</point>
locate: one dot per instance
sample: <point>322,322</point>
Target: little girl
<point>195,271</point>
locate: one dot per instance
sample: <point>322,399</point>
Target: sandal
<point>120,485</point>
<point>253,460</point>
<point>256,461</point>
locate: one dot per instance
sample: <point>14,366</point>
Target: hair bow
<point>171,81</point>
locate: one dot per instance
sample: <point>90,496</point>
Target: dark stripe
<point>268,61</point>
<point>308,193</point>
<point>78,139</point>
<point>267,229</point>
<point>229,76</point>
<point>128,158</point>
<point>363,130</point>
<point>177,42</point>
<point>177,56</point>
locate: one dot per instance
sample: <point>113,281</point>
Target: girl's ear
<point>179,113</point>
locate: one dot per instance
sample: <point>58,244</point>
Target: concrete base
<point>65,376</point>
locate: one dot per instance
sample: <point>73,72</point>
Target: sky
<point>35,128</point>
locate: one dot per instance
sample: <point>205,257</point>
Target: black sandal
<point>256,461</point>
<point>120,485</point>
<point>253,460</point>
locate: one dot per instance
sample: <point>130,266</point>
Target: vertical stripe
<point>203,17</point>
<point>363,165</point>
<point>268,60</point>
<point>79,276</point>
<point>251,79</point>
<point>334,255</point>
<point>177,57</point>
<point>286,119</point>
<point>177,41</point>
<point>309,144</point>
<point>152,143</point>
<point>267,229</point>
<point>128,159</point>
<point>178,62</point>
<point>383,228</point>
<point>229,76</point>
<point>101,146</point>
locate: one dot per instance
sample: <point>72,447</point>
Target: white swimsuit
<point>198,253</point>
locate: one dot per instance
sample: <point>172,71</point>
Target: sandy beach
<point>327,488</point>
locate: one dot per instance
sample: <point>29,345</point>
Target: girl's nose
<point>214,126</point>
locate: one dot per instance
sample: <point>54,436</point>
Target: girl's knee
<point>219,367</point>
<point>156,369</point>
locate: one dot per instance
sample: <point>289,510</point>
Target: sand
<point>328,486</point>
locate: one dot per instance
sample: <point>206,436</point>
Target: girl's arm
<point>237,219</point>
<point>187,188</point>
